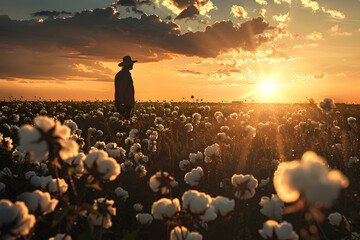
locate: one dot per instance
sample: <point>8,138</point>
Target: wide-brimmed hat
<point>127,61</point>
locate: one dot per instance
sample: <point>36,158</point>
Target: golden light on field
<point>268,88</point>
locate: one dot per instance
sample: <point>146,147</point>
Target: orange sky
<point>298,48</point>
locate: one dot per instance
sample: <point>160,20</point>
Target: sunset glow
<point>216,50</point>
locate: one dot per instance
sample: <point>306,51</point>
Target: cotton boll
<point>184,164</point>
<point>104,207</point>
<point>312,177</point>
<point>100,165</point>
<point>327,105</point>
<point>264,182</point>
<point>182,233</point>
<point>212,153</point>
<point>161,181</point>
<point>16,216</point>
<point>189,127</point>
<point>250,131</point>
<point>223,205</point>
<point>282,231</point>
<point>351,120</point>
<point>38,201</point>
<point>140,170</point>
<point>165,208</point>
<point>72,125</point>
<point>121,193</point>
<point>335,218</point>
<point>138,207</point>
<point>272,208</point>
<point>194,176</point>
<point>198,203</point>
<point>144,218</point>
<point>244,185</point>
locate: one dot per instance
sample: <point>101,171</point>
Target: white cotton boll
<point>275,163</point>
<point>161,181</point>
<point>72,125</point>
<point>283,231</point>
<point>144,218</point>
<point>17,217</point>
<point>69,148</point>
<point>351,120</point>
<point>198,203</point>
<point>57,185</point>
<point>311,177</point>
<point>189,127</point>
<point>327,105</point>
<point>105,166</point>
<point>61,236</point>
<point>212,152</point>
<point>38,201</point>
<point>194,176</point>
<point>28,141</point>
<point>224,128</point>
<point>244,185</point>
<point>250,131</point>
<point>141,170</point>
<point>138,207</point>
<point>184,164</point>
<point>335,218</point>
<point>272,208</point>
<point>182,233</point>
<point>121,193</point>
<point>234,116</point>
<point>192,157</point>
<point>165,208</point>
<point>223,205</point>
<point>208,125</point>
<point>2,187</point>
<point>264,182</point>
<point>104,207</point>
<point>6,144</point>
<point>42,168</point>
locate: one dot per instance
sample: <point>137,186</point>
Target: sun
<point>267,88</point>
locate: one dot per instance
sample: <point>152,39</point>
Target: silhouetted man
<point>124,88</point>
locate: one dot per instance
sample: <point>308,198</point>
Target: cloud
<point>100,35</point>
<point>178,6</point>
<point>133,4</point>
<point>334,31</point>
<point>190,12</point>
<point>261,2</point>
<point>50,13</point>
<point>311,4</point>
<point>314,36</point>
<point>191,72</point>
<point>281,1</point>
<point>303,78</point>
<point>282,17</point>
<point>334,13</point>
<point>238,12</point>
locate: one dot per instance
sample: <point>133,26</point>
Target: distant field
<point>103,177</point>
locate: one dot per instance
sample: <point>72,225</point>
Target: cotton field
<point>179,171</point>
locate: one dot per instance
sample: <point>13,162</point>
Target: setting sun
<point>268,87</point>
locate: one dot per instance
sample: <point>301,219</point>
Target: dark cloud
<point>182,4</point>
<point>100,35</point>
<point>190,12</point>
<point>50,13</point>
<point>133,5</point>
<point>189,71</point>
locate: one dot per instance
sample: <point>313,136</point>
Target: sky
<point>214,50</point>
